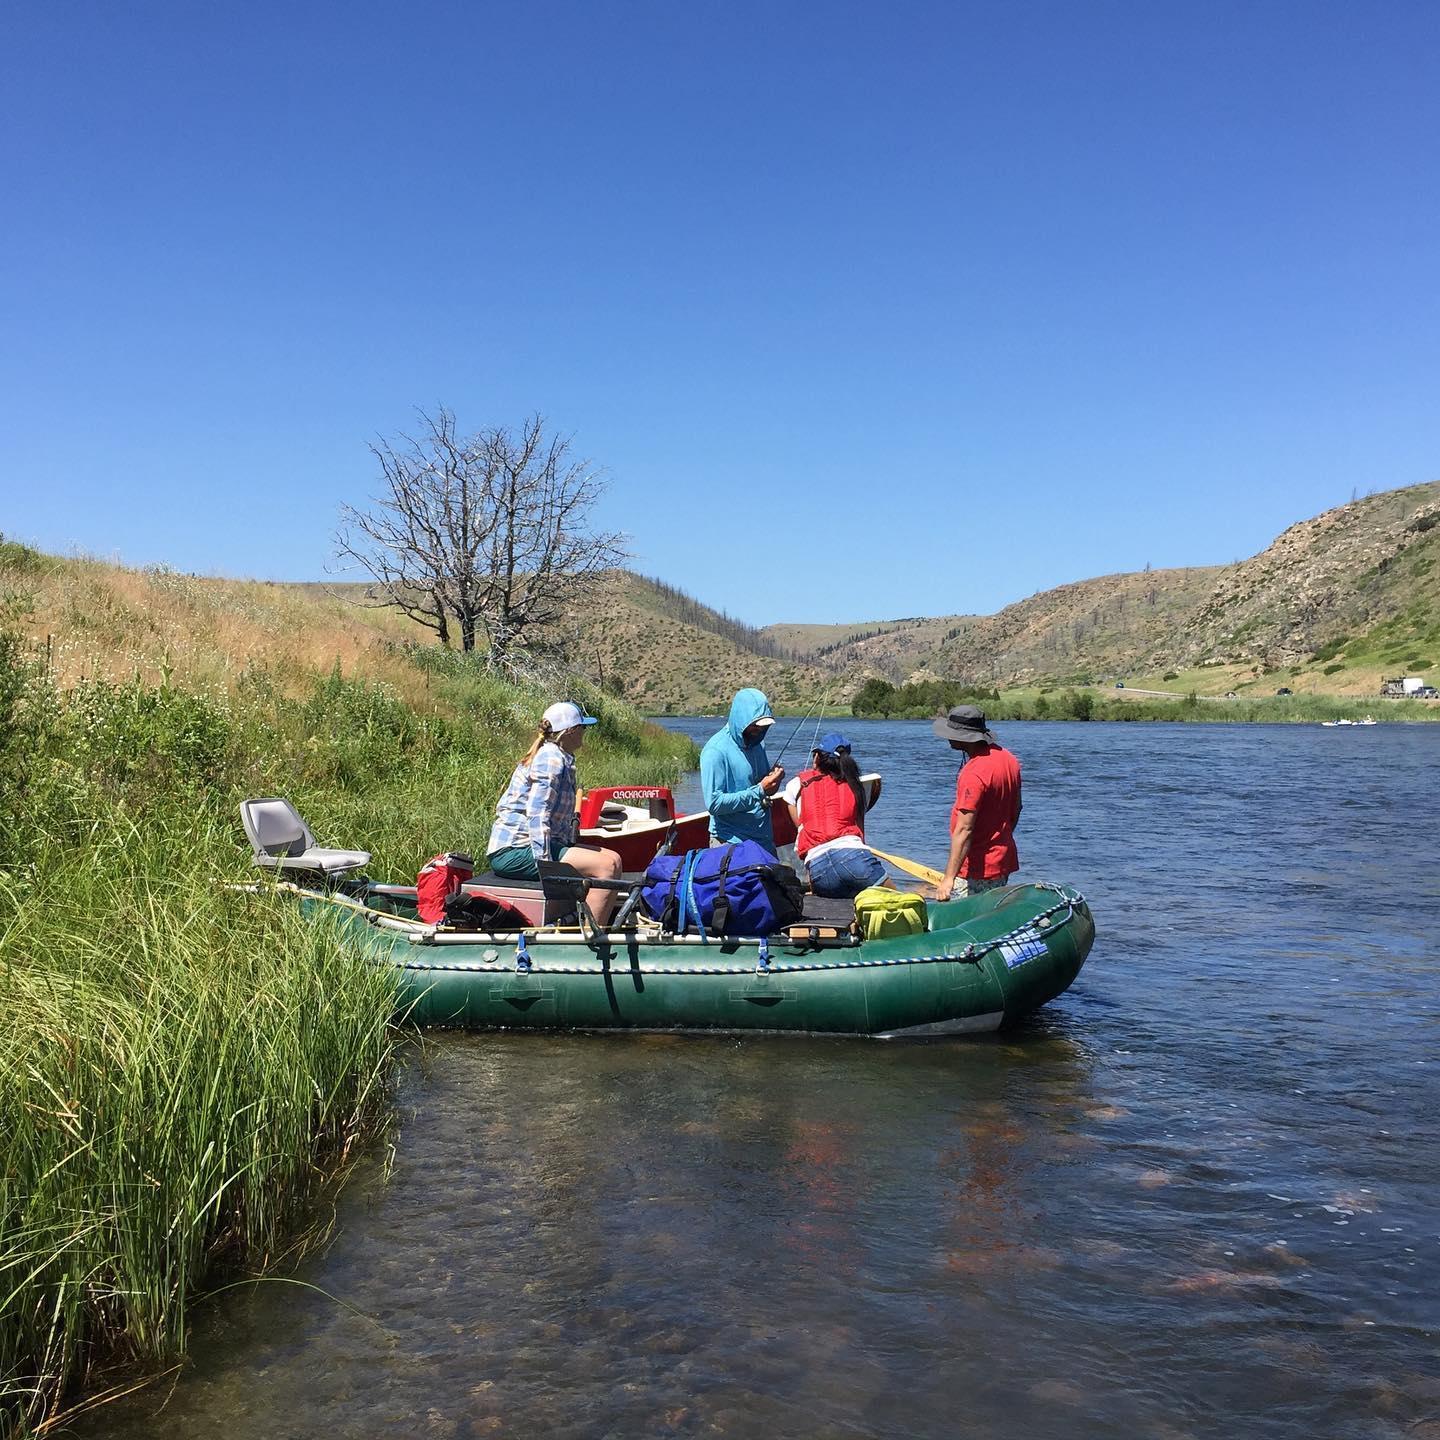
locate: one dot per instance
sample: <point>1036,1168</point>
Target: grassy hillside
<point>892,649</point>
<point>1096,627</point>
<point>1333,605</point>
<point>1357,583</point>
<point>668,657</point>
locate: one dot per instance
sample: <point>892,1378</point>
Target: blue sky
<point>867,310</point>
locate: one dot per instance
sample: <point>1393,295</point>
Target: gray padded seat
<point>281,840</point>
<point>822,910</point>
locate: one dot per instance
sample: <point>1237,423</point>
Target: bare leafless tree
<point>487,536</point>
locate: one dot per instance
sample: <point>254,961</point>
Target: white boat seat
<point>281,840</point>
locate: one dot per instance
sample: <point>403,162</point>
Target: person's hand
<point>943,889</point>
<point>772,782</point>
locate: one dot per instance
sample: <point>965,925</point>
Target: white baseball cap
<point>566,715</point>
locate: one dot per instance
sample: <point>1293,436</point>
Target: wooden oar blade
<point>911,867</point>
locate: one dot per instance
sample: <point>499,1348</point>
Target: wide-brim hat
<point>964,723</point>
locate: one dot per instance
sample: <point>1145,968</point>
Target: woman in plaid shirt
<point>536,819</point>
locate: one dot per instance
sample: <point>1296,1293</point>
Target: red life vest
<point>827,811</point>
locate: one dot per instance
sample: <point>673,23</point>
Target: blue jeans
<point>842,874</point>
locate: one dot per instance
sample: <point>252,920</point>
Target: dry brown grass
<point>107,622</point>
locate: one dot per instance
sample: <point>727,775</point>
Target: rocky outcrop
<point>1320,579</point>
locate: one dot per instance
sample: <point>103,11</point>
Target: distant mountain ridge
<point>1336,603</point>
<point>1357,586</point>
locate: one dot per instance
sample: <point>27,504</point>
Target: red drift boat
<point>635,820</point>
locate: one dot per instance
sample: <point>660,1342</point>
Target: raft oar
<point>911,867</point>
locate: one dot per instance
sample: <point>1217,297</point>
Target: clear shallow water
<point>1196,1194</point>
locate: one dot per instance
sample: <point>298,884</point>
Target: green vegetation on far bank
<point>879,700</point>
<point>181,1067</point>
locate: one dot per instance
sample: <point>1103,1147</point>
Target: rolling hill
<point>1335,603</point>
<point>670,654</point>
<point>893,649</point>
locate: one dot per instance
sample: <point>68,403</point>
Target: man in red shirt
<point>986,809</point>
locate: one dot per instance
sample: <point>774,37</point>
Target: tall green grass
<point>178,1070</point>
<point>181,1066</point>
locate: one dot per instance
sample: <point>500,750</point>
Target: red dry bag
<point>442,876</point>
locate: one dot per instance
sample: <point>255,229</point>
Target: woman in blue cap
<point>536,817</point>
<point>828,804</point>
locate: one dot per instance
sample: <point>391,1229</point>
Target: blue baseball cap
<point>832,742</point>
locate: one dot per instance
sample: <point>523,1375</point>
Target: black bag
<point>475,910</point>
<point>732,890</point>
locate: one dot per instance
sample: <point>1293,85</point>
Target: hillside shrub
<point>22,560</point>
<point>878,699</point>
<point>873,698</point>
<point>148,742</point>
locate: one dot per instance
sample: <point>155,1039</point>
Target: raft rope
<point>972,954</point>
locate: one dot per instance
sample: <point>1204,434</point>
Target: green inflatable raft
<point>983,963</point>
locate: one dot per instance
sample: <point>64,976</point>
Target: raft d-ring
<point>762,958</point>
<point>522,955</point>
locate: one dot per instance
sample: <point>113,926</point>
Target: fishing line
<point>819,716</point>
<point>799,725</point>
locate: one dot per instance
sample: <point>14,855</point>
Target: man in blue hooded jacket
<point>737,776</point>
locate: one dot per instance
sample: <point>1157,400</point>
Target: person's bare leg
<point>597,865</point>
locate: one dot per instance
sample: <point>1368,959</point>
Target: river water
<point>1194,1196</point>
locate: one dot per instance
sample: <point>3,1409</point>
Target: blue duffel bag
<point>739,889</point>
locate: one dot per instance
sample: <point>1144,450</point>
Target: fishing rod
<point>800,725</point>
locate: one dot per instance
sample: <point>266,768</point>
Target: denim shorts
<point>843,873</point>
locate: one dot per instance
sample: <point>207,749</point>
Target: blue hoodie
<point>729,774</point>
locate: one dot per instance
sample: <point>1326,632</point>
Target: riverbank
<point>180,1069</point>
<point>881,701</point>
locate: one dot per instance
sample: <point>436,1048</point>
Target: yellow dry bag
<point>881,912</point>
